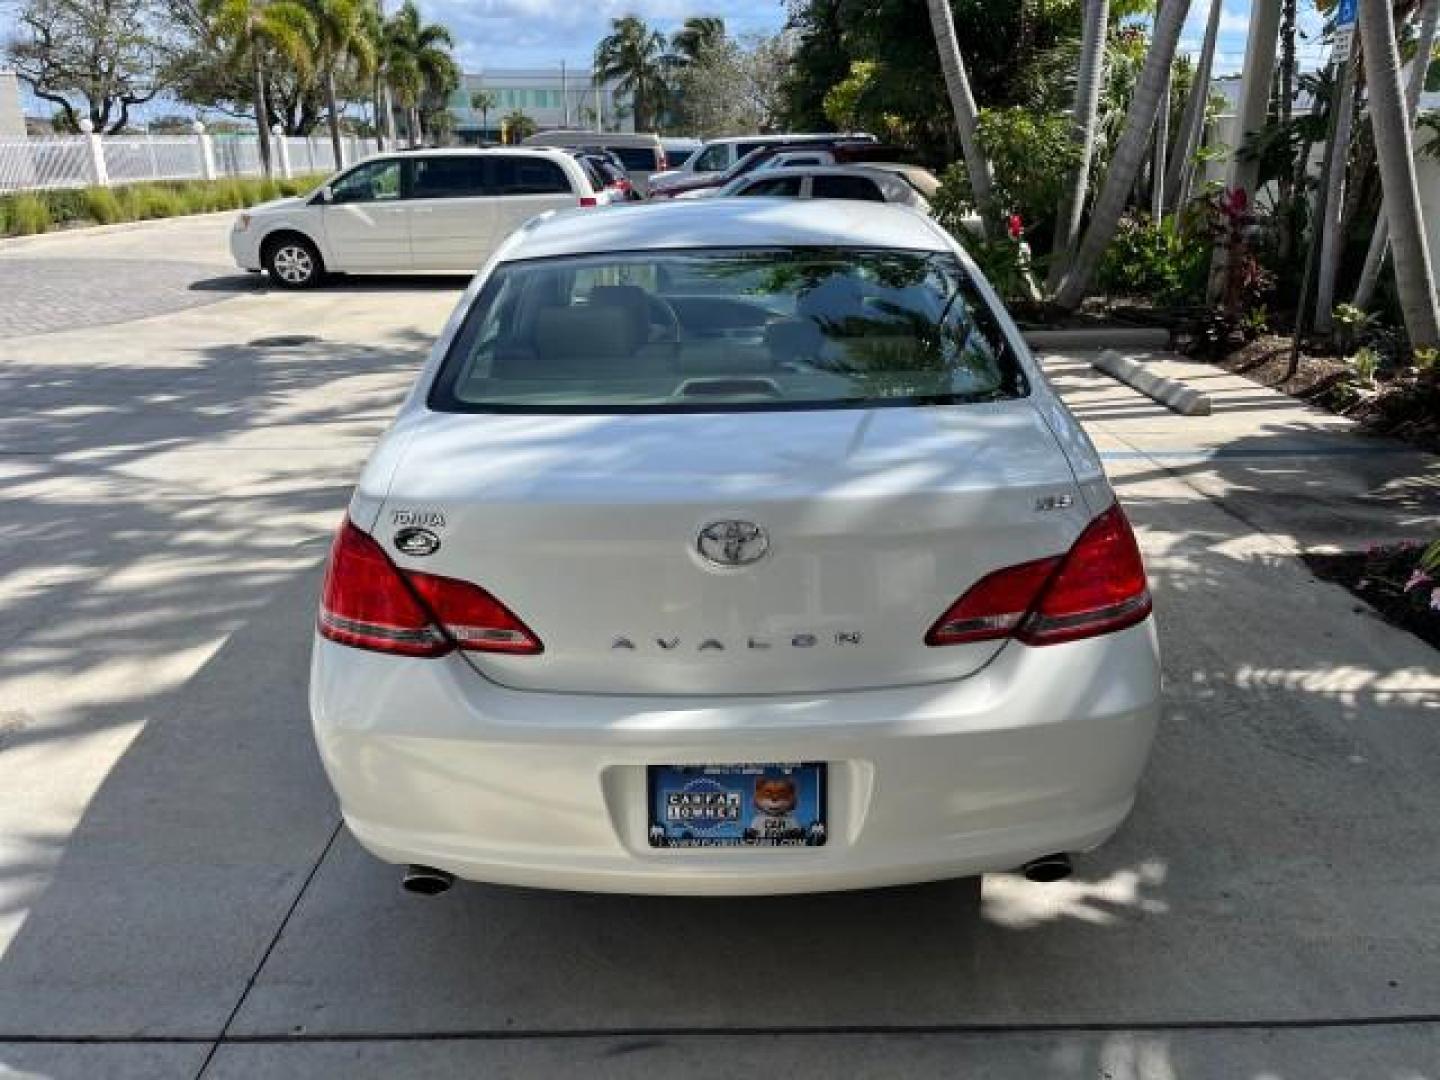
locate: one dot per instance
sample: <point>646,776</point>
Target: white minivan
<point>431,211</point>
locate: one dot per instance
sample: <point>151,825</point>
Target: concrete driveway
<point>177,896</point>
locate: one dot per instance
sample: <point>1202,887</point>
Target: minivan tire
<point>293,262</point>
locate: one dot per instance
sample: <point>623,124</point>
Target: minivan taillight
<point>589,200</point>
<point>1097,588</point>
<point>370,603</point>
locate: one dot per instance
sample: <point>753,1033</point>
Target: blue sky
<point>534,33</point>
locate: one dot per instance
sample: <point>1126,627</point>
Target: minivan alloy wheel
<point>293,264</point>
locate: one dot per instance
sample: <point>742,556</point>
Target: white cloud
<point>541,33</point>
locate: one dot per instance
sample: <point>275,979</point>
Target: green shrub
<point>1159,262</point>
<point>29,215</point>
<point>102,206</point>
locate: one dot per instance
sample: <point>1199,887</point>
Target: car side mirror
<point>325,195</point>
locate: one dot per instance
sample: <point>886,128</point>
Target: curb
<point>1174,395</point>
<point>1123,337</point>
<point>14,243</point>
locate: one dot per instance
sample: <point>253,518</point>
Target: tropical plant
<point>697,35</point>
<point>1414,274</point>
<point>1181,173</point>
<point>1129,153</point>
<point>633,56</point>
<point>1156,261</point>
<point>258,31</point>
<point>482,101</point>
<point>1082,134</point>
<point>418,66</point>
<point>962,105</point>
<point>342,45</point>
<point>1031,159</point>
<point>517,126</point>
<point>1419,69</point>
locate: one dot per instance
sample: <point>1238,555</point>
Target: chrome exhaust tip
<point>1048,868</point>
<point>426,881</point>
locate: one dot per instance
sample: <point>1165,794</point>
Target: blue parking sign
<point>1345,13</point>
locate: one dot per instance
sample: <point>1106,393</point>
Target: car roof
<point>798,137</point>
<point>548,152</point>
<point>727,223</point>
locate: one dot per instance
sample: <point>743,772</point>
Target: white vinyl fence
<point>72,161</point>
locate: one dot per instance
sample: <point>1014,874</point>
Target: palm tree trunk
<point>967,118</point>
<point>1394,149</point>
<point>378,98</point>
<point>1380,238</point>
<point>334,118</point>
<point>1129,154</point>
<point>262,112</point>
<point>1181,173</point>
<point>1082,133</point>
<point>1333,211</point>
<point>1158,155</point>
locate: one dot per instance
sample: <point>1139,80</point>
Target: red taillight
<point>994,606</point>
<point>474,619</point>
<point>1097,588</point>
<point>589,200</point>
<point>368,602</point>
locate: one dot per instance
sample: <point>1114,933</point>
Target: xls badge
<point>416,542</point>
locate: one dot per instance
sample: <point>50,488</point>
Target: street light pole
<point>564,96</point>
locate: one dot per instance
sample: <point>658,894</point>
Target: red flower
<point>1016,226</point>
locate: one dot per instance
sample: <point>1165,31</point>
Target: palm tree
<point>257,31</point>
<point>518,126</point>
<point>633,57</point>
<point>1419,67</point>
<point>967,118</point>
<point>1394,149</point>
<point>1129,153</point>
<point>341,44</point>
<point>1332,205</point>
<point>700,34</point>
<point>418,63</point>
<point>1192,121</point>
<point>482,101</point>
<point>1082,131</point>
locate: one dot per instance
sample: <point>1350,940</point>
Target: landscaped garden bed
<point>1400,581</point>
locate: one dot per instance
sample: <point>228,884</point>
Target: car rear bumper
<point>1039,752</point>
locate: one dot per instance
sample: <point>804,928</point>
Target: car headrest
<point>793,339</point>
<point>833,301</point>
<point>589,332</point>
<point>631,299</point>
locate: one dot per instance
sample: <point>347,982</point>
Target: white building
<point>552,97</point>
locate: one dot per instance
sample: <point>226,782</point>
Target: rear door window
<point>527,176</point>
<point>846,187</point>
<point>447,177</point>
<point>713,159</point>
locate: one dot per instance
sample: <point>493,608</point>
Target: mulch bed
<point>1403,404</point>
<point>1379,577</point>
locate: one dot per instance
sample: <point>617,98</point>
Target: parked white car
<point>859,182</point>
<point>717,155</point>
<point>432,211</point>
<point>733,547</point>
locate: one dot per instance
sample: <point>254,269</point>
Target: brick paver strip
<point>41,296</point>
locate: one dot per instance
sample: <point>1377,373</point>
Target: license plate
<point>755,805</point>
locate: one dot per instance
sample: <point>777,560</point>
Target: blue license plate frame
<point>737,805</point>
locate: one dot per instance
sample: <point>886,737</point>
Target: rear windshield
<point>727,330</point>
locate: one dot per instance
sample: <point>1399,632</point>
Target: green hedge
<point>33,212</point>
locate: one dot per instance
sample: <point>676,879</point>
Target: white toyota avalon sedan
<point>730,547</point>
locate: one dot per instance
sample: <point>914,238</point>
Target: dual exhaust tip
<point>427,881</point>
